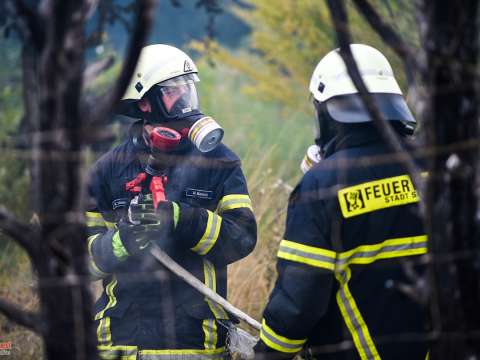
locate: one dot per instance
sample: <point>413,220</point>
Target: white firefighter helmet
<point>331,84</point>
<point>157,64</point>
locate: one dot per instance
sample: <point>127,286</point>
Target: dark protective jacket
<point>353,238</point>
<point>144,308</point>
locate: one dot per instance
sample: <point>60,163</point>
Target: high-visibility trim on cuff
<point>279,342</point>
<point>118,249</point>
<point>92,267</point>
<point>310,255</point>
<point>234,201</point>
<point>93,219</point>
<point>176,214</point>
<point>210,236</point>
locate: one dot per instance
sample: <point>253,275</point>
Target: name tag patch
<point>199,194</point>
<point>376,195</point>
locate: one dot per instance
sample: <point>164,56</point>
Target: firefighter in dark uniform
<point>145,312</point>
<point>352,221</point>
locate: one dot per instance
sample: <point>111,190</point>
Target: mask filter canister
<point>206,134</point>
<point>311,158</point>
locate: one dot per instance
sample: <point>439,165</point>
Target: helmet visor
<point>350,108</point>
<point>179,95</point>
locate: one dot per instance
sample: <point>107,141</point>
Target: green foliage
<point>289,37</point>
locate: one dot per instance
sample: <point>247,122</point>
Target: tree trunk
<point>66,303</point>
<point>450,37</point>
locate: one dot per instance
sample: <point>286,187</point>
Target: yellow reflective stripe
<point>210,236</point>
<point>234,201</point>
<point>279,342</point>
<point>92,267</point>
<point>305,254</point>
<point>391,248</point>
<point>182,354</point>
<point>428,356</point>
<point>209,327</point>
<point>110,225</point>
<point>93,219</point>
<point>90,241</point>
<point>211,282</point>
<point>117,352</point>
<point>104,334</point>
<point>112,300</point>
<point>376,195</point>
<point>354,320</point>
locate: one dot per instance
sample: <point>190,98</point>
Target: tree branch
<point>95,69</point>
<point>21,233</point>
<point>25,318</point>
<point>389,35</point>
<point>32,23</point>
<point>340,21</point>
<point>144,19</point>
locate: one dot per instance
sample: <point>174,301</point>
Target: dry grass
<point>251,279</point>
<point>17,285</point>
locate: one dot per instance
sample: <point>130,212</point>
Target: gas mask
<point>175,101</point>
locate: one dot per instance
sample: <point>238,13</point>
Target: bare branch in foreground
<point>94,70</point>
<point>389,35</point>
<point>340,21</point>
<point>21,233</point>
<point>143,21</point>
<point>25,318</point>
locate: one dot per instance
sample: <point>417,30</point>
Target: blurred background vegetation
<point>254,82</point>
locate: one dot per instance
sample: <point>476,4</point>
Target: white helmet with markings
<point>331,84</point>
<point>166,76</point>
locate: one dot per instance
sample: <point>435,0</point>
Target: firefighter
<point>352,224</point>
<point>145,312</point>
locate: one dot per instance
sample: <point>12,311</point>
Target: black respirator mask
<point>325,127</point>
<point>175,101</point>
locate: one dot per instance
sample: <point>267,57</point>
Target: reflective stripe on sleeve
<point>279,342</point>
<point>234,201</point>
<point>313,256</point>
<point>92,266</point>
<point>210,236</point>
<point>93,219</point>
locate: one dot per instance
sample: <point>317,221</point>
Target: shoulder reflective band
<point>210,236</point>
<point>234,201</point>
<point>376,195</point>
<point>278,342</point>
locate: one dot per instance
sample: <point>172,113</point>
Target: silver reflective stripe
<point>210,281</point>
<point>307,255</point>
<point>228,203</point>
<point>211,235</point>
<point>355,322</point>
<point>385,249</point>
<point>281,343</point>
<point>116,354</point>
<point>218,356</point>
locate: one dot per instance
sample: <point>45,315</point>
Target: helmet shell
<point>330,77</point>
<point>157,63</point>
